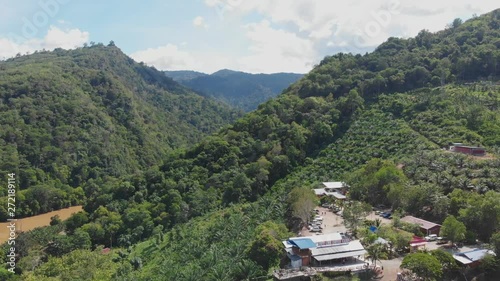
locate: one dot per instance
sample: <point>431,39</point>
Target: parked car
<point>432,237</point>
<point>387,216</point>
<point>441,241</point>
<point>315,229</point>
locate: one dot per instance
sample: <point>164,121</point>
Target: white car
<point>432,237</point>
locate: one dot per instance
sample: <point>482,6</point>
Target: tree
<point>423,265</point>
<point>495,242</point>
<point>354,213</point>
<point>55,220</point>
<point>302,202</point>
<point>375,252</point>
<point>75,221</point>
<point>266,248</point>
<point>447,261</point>
<point>453,229</point>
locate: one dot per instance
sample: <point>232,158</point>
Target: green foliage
<point>425,266</point>
<point>399,239</point>
<point>495,242</point>
<point>266,248</point>
<point>78,265</point>
<point>448,263</point>
<point>228,244</point>
<point>376,182</point>
<point>97,128</point>
<point>354,213</point>
<point>302,202</point>
<point>453,229</point>
<point>90,113</point>
<point>482,214</point>
<point>239,89</point>
<point>55,220</point>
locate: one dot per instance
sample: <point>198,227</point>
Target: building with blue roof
<point>303,243</point>
<point>320,249</point>
<point>472,258</point>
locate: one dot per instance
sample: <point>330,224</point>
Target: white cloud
<point>200,22</point>
<point>212,3</point>
<point>66,39</point>
<point>55,38</point>
<point>276,50</point>
<point>167,57</point>
<point>360,23</point>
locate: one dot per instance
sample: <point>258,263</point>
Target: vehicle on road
<point>432,237</point>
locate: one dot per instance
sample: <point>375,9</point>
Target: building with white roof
<point>319,249</point>
<point>472,258</point>
<point>335,189</point>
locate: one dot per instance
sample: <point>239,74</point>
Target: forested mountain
<point>218,210</point>
<point>239,89</point>
<point>71,116</point>
<point>184,75</point>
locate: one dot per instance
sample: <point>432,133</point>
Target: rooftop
<point>335,184</point>
<point>322,191</point>
<point>345,248</point>
<point>303,243</point>
<point>472,256</point>
<point>423,223</point>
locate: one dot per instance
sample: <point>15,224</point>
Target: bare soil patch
<point>30,223</point>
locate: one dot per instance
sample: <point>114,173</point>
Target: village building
<point>426,227</point>
<point>417,243</point>
<point>471,150</point>
<point>472,258</point>
<point>320,250</point>
<point>337,190</point>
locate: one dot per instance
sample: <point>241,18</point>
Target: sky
<point>256,36</point>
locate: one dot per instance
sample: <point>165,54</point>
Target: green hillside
<point>239,89</point>
<point>73,116</point>
<point>219,209</point>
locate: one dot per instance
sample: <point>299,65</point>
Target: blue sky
<point>207,35</point>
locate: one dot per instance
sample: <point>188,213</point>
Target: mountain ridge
<point>239,89</point>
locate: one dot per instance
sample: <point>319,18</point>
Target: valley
<point>153,180</point>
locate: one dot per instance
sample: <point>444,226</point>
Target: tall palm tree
<point>374,252</point>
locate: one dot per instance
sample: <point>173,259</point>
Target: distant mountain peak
<point>240,89</point>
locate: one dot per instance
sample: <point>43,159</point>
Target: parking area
<point>335,223</point>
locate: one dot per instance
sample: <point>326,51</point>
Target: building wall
<point>469,150</point>
<point>434,230</point>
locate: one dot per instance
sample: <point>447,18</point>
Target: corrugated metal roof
<point>303,243</point>
<point>423,223</point>
<point>334,184</point>
<point>319,191</point>
<point>472,256</point>
<point>326,237</point>
<point>340,255</point>
<point>287,244</point>
<point>462,260</point>
<point>338,195</point>
<point>351,246</point>
<point>322,191</point>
